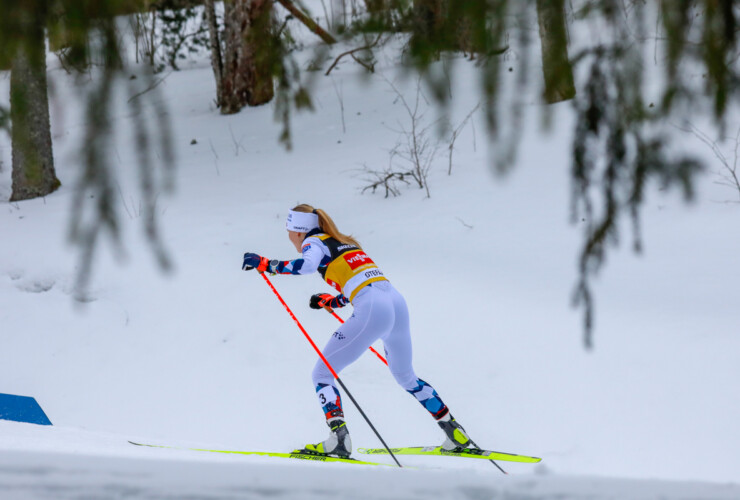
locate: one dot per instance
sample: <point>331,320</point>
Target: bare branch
<point>464,223</point>
<point>340,96</point>
<point>151,87</point>
<point>352,53</point>
<point>310,23</point>
<point>455,133</point>
<point>729,173</point>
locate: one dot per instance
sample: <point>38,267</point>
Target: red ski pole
<point>326,362</point>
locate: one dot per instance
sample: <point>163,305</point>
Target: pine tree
<point>33,160</point>
<point>248,55</point>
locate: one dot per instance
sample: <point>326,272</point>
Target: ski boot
<point>457,438</point>
<point>338,442</point>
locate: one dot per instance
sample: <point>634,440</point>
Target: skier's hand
<point>339,301</point>
<point>252,261</point>
<point>319,300</point>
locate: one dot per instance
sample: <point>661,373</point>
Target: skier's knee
<point>321,375</point>
<point>407,379</point>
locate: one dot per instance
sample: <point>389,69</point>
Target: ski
<point>295,454</point>
<point>465,452</point>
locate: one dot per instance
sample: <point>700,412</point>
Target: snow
<point>67,463</point>
<point>206,356</point>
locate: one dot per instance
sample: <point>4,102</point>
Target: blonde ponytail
<point>326,224</point>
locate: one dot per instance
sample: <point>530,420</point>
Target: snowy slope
<point>60,464</point>
<point>206,356</point>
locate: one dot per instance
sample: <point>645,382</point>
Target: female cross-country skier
<point>380,312</point>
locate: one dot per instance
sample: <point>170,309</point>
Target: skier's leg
<point>331,401</point>
<point>399,355</point>
<point>429,399</point>
<point>372,317</point>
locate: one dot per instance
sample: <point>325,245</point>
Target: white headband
<point>301,222</point>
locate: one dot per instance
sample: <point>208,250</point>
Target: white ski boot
<point>338,443</point>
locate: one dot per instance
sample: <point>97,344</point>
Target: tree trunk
<point>249,54</point>
<point>307,21</point>
<point>33,160</point>
<point>56,29</point>
<point>427,30</point>
<point>444,26</point>
<point>555,63</point>
<point>338,15</point>
<point>376,6</point>
<point>216,50</point>
<point>429,17</point>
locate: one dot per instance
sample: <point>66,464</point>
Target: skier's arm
<point>313,255</point>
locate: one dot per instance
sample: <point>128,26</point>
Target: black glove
<point>252,261</point>
<point>319,300</point>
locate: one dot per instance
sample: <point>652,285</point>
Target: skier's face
<point>296,239</point>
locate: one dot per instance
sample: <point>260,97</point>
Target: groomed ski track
<point>65,464</point>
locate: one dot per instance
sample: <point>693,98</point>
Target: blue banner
<point>22,409</point>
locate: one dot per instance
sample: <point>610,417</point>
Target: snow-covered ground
<point>207,357</point>
<point>64,463</point>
